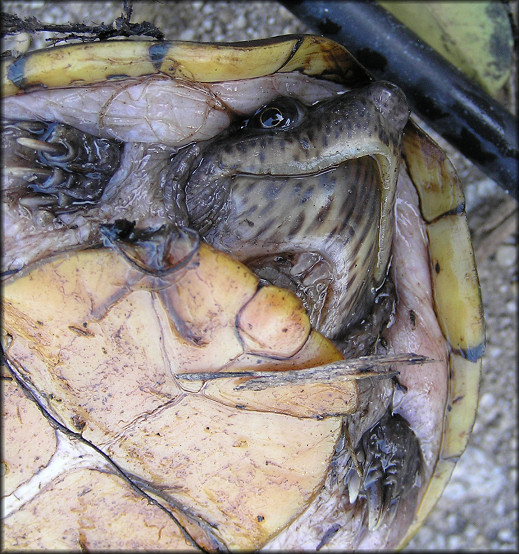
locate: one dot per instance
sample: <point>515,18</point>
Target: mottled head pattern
<point>304,194</point>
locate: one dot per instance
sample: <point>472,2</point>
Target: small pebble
<point>506,535</point>
<point>506,255</point>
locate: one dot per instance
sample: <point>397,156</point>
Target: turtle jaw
<point>308,274</point>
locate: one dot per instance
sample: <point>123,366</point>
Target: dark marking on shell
<point>157,52</point>
<point>473,354</point>
<point>117,77</point>
<point>296,47</point>
<point>81,332</point>
<point>458,210</point>
<point>16,72</point>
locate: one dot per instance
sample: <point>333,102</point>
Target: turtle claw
<point>388,454</point>
<point>65,166</point>
<point>375,502</point>
<point>354,484</point>
<point>42,146</point>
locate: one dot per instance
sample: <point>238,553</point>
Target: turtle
<point>240,308</point>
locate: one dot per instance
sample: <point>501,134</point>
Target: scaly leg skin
<point>54,178</point>
<point>390,462</point>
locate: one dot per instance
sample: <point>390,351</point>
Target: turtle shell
<point>93,295</point>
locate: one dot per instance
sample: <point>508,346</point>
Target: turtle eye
<point>272,117</point>
<point>283,113</point>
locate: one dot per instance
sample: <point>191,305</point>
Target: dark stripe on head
<point>320,218</point>
<point>268,227</point>
<point>345,231</point>
<point>296,227</point>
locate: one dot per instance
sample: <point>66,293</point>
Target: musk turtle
<point>240,304</point>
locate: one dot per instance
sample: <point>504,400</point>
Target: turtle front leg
<point>55,176</point>
<point>60,184</point>
<point>71,168</point>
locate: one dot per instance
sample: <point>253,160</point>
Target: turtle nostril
<point>391,102</point>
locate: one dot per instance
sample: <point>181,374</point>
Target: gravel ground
<point>478,510</point>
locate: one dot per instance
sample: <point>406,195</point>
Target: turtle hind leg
<point>390,462</point>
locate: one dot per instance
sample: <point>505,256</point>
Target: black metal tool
<point>456,107</point>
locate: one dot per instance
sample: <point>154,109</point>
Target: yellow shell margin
<point>457,298</point>
<point>85,64</point>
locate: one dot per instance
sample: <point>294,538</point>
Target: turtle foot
<point>62,167</point>
<point>388,455</point>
